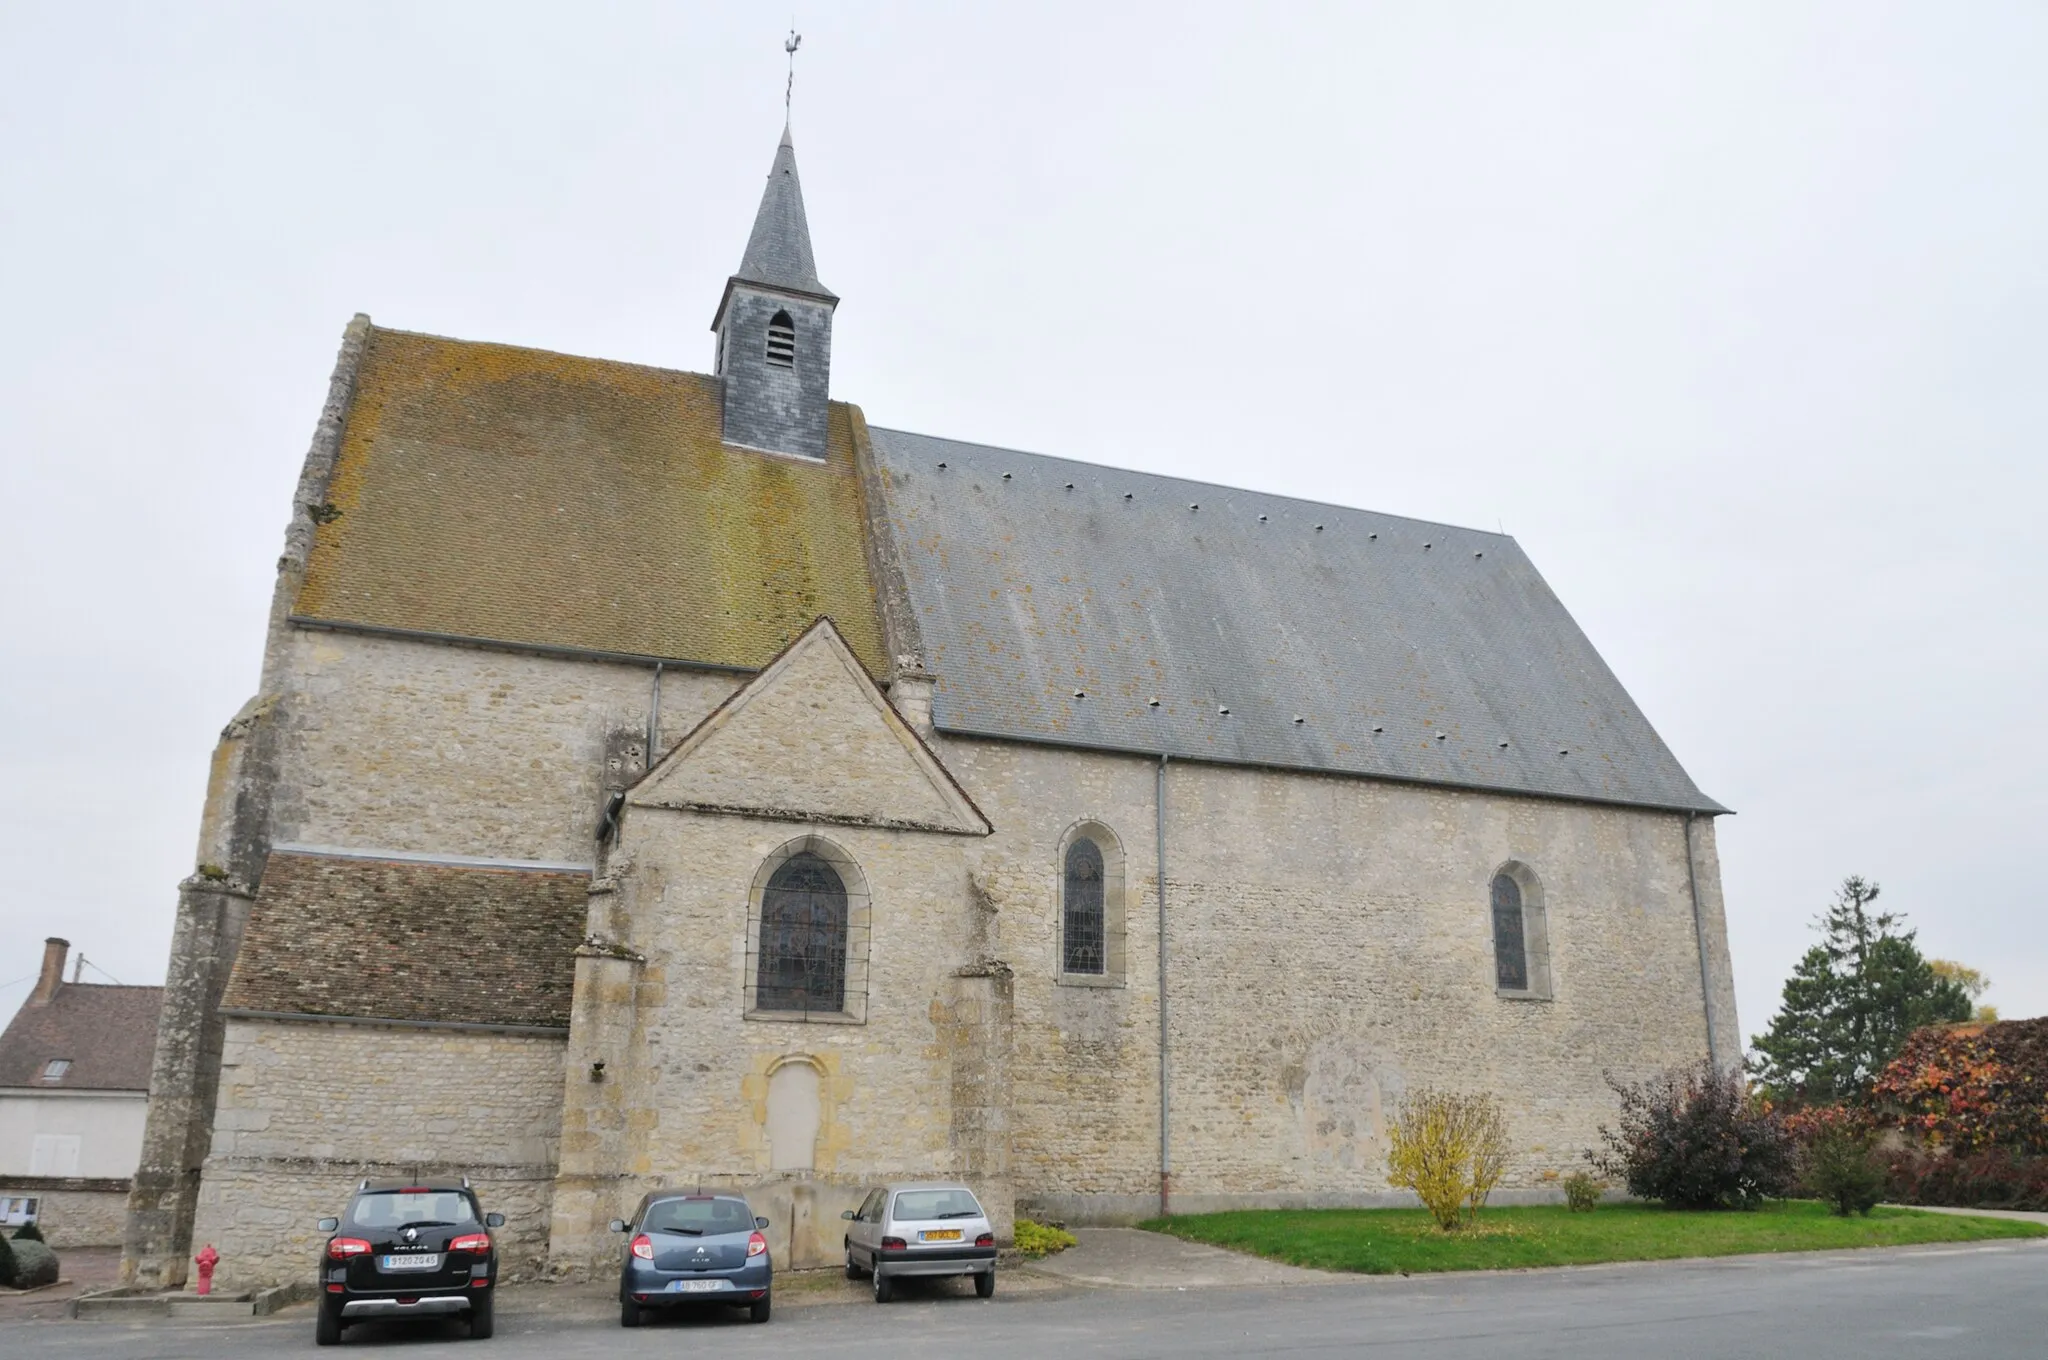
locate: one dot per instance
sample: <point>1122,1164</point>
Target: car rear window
<point>698,1216</point>
<point>397,1208</point>
<point>917,1205</point>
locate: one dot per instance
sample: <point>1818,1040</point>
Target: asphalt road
<point>1960,1301</point>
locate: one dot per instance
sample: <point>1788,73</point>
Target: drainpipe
<point>654,718</point>
<point>1699,931</point>
<point>1165,1105</point>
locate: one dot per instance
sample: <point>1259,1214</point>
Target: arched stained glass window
<point>1081,924</point>
<point>803,938</point>
<point>1510,948</point>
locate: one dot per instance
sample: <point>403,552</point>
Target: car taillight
<point>643,1247</point>
<point>985,1240</point>
<point>476,1242</point>
<point>756,1245</point>
<point>341,1248</point>
<point>893,1244</point>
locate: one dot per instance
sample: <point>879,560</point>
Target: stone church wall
<point>1329,947</point>
<point>394,744</point>
<point>308,1108</point>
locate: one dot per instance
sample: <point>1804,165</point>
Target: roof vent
<point>1425,547</point>
<point>1374,537</point>
<point>1503,744</point>
<point>1127,495</point>
<point>1070,486</point>
<point>1223,710</point>
<point>942,467</point>
<point>1262,519</point>
<point>782,341</point>
<point>1319,528</point>
<point>1152,703</point>
<point>1080,694</point>
<point>1443,736</point>
<point>1299,720</point>
<point>1193,506</point>
<point>1564,750</point>
<point>1006,476</point>
<point>1379,729</point>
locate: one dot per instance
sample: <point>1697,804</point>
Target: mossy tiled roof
<point>521,496</point>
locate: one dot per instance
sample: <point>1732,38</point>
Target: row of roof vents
<point>1223,711</point>
<point>1196,506</point>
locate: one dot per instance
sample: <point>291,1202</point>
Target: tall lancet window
<point>782,341</point>
<point>1510,949</point>
<point>803,938</point>
<point>1081,923</point>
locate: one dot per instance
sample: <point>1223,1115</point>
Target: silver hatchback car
<point>923,1229</point>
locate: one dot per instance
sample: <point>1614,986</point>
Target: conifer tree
<point>1850,1003</point>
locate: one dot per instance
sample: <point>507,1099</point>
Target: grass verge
<point>1389,1241</point>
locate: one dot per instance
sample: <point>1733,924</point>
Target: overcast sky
<point>1732,314</point>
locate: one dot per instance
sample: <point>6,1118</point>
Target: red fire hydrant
<point>207,1259</point>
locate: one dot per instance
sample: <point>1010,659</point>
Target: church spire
<point>774,326</point>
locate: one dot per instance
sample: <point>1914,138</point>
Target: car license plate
<point>940,1235</point>
<point>695,1286</point>
<point>427,1262</point>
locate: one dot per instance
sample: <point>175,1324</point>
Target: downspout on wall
<point>1699,935</point>
<point>1165,1070</point>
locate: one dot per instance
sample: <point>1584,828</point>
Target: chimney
<point>54,951</point>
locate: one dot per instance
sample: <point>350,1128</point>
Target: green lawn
<point>1385,1241</point>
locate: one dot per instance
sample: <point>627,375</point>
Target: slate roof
<point>516,495</point>
<point>779,248</point>
<point>108,1033</point>
<point>1408,650</point>
<point>400,940</point>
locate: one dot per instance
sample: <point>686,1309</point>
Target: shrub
<point>1450,1150</point>
<point>6,1263</point>
<point>1971,1087</point>
<point>1582,1191</point>
<point>28,1232</point>
<point>1995,1178</point>
<point>34,1264</point>
<point>1843,1172</point>
<point>1692,1138</point>
<point>1041,1239</point>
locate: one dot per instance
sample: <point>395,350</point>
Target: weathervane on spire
<point>790,45</point>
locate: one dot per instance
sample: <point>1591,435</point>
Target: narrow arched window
<point>782,341</point>
<point>803,938</point>
<point>1510,942</point>
<point>1081,924</point>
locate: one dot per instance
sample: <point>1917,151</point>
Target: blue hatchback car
<point>694,1249</point>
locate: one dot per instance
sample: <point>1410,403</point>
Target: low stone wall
<point>74,1212</point>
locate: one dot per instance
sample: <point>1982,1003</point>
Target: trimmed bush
<point>28,1232</point>
<point>34,1264</point>
<point>1582,1192</point>
<point>6,1263</point>
<point>1992,1179</point>
<point>1693,1138</point>
<point>1041,1239</point>
<point>1450,1150</point>
<point>1843,1172</point>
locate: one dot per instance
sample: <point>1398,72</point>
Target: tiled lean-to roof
<point>516,495</point>
<point>1056,600</point>
<point>401,940</point>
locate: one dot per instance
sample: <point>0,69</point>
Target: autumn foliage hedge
<point>1969,1088</point>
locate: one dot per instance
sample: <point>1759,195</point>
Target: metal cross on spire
<point>790,45</point>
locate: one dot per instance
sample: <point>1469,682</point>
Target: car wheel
<point>481,1322</point>
<point>631,1314</point>
<point>758,1311</point>
<point>852,1270</point>
<point>882,1286</point>
<point>327,1326</point>
<point>985,1284</point>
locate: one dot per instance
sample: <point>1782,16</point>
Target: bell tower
<point>774,328</point>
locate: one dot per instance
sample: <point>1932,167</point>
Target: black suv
<point>408,1251</point>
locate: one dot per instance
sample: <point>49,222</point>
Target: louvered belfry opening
<point>782,341</point>
<point>1081,929</point>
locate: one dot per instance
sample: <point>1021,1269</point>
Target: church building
<point>671,779</point>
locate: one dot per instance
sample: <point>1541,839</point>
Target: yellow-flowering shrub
<point>1038,1239</point>
<point>1450,1149</point>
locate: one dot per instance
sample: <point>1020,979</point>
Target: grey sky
<point>1733,315</point>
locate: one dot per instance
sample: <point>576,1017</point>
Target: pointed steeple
<point>779,250</point>
<point>774,325</point>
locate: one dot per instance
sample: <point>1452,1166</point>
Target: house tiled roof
<point>108,1033</point>
<point>515,495</point>
<point>401,940</point>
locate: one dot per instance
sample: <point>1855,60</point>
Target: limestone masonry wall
<point>394,744</point>
<point>1329,946</point>
<point>308,1108</point>
<point>75,1212</point>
